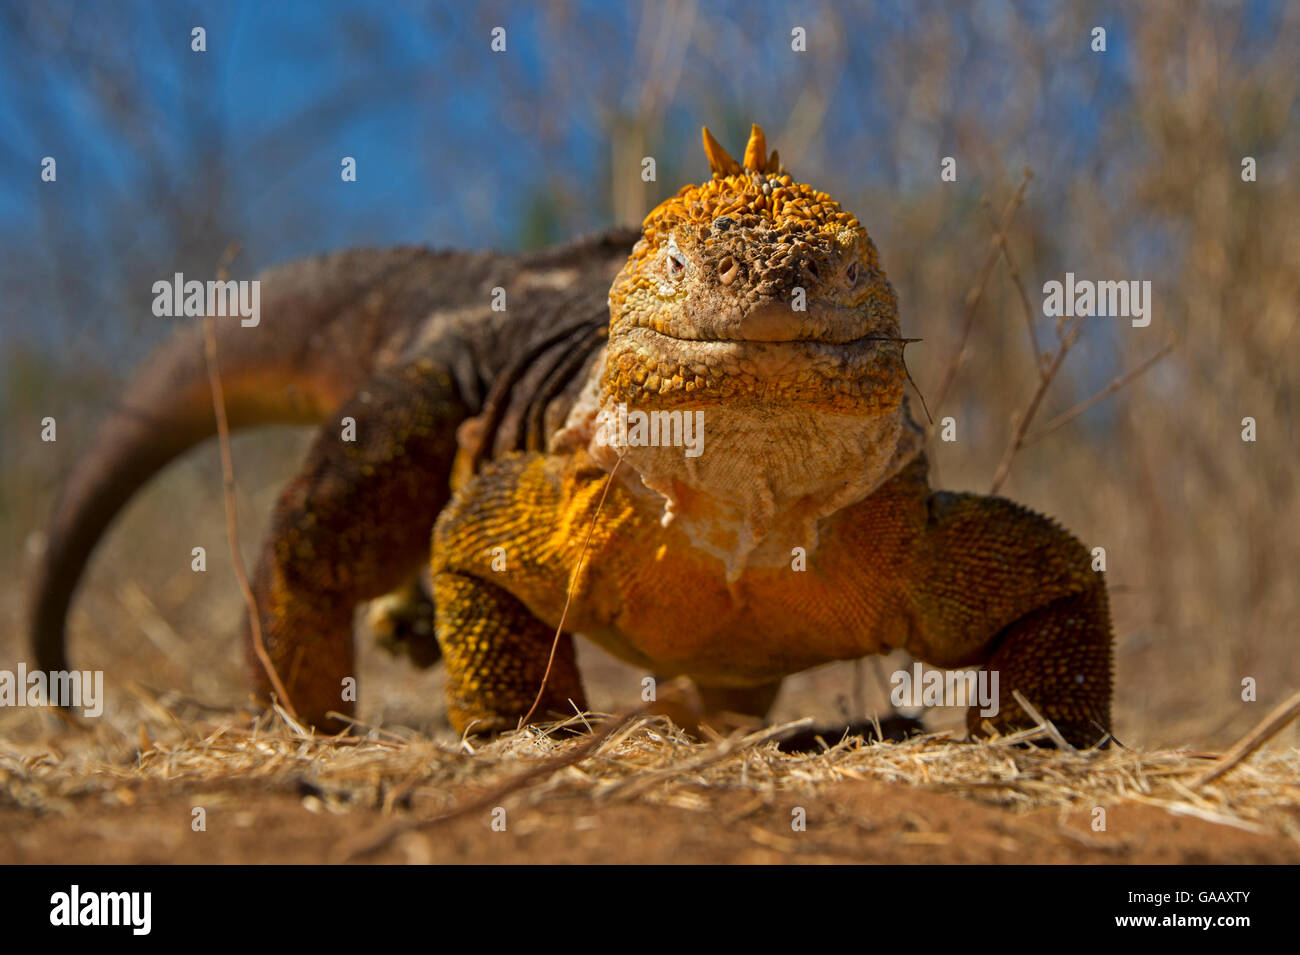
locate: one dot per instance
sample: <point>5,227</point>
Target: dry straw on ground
<point>418,783</point>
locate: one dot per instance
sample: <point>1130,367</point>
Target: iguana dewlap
<point>799,530</point>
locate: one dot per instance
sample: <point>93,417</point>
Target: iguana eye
<point>676,260</point>
<point>851,276</point>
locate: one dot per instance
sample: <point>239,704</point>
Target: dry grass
<point>421,782</point>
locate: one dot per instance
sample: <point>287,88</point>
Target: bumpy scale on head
<point>706,307</point>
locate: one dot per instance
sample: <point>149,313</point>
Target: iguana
<point>489,397</point>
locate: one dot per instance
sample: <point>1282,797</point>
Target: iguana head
<point>756,306</point>
<point>752,286</point>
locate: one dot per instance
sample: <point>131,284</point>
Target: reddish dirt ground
<point>866,822</point>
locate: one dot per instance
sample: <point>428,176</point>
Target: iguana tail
<point>326,324</point>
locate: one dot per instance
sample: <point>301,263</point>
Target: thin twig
<point>1067,416</point>
<point>1068,337</point>
<point>924,407</point>
<point>1044,723</point>
<point>977,290</point>
<point>228,488</point>
<point>1261,734</point>
<point>1196,812</point>
<point>370,728</point>
<point>573,585</point>
<point>1001,239</point>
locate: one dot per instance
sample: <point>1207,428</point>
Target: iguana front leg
<point>498,550</point>
<point>350,527</point>
<point>496,654</point>
<point>1010,589</point>
<point>1059,658</point>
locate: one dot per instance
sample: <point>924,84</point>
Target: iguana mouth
<point>700,339</point>
<point>771,323</point>
<point>813,350</point>
<point>645,364</point>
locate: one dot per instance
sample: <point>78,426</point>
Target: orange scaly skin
<point>942,576</point>
<point>802,530</point>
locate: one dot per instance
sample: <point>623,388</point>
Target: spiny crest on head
<point>756,157</point>
<point>757,191</point>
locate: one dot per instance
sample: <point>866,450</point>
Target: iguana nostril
<point>728,269</point>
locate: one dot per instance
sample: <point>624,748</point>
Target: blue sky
<point>412,91</point>
<point>166,155</point>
